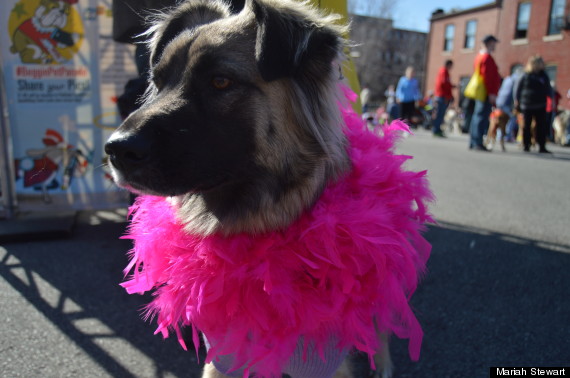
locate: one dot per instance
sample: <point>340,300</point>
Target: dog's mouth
<point>145,181</point>
<point>122,182</point>
<point>160,164</point>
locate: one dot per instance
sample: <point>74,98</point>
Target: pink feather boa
<point>354,258</point>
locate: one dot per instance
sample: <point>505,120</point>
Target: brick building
<point>523,27</point>
<point>382,53</point>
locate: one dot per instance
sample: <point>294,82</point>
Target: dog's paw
<point>382,372</point>
<point>386,372</point>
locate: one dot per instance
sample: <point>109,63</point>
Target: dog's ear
<point>189,15</point>
<point>291,39</point>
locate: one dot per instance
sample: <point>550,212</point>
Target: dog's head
<point>241,124</point>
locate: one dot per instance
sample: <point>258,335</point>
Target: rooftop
<point>439,14</point>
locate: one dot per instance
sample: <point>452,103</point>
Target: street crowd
<point>524,107</point>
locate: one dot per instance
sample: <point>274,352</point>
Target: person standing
<point>443,97</point>
<point>391,104</point>
<point>552,110</point>
<point>505,102</point>
<point>487,68</point>
<point>407,93</point>
<point>531,93</point>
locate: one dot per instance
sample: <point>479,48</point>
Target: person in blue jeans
<point>487,67</point>
<point>443,97</point>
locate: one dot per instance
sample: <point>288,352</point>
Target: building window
<point>523,19</point>
<point>470,31</point>
<point>449,34</point>
<point>551,71</point>
<point>556,17</point>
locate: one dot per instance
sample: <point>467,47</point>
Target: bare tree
<point>372,8</point>
<point>382,53</point>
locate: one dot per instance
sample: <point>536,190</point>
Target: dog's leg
<point>491,134</point>
<point>211,372</point>
<point>503,135</point>
<point>557,130</point>
<point>382,359</point>
<point>344,370</point>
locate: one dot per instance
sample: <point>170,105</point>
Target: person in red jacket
<point>552,110</point>
<point>443,96</point>
<point>488,69</point>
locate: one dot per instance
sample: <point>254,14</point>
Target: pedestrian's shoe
<point>544,151</point>
<point>439,134</point>
<point>526,149</point>
<point>480,147</point>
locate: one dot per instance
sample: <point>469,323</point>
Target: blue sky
<point>415,14</point>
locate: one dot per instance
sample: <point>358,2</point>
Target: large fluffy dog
<point>286,236</point>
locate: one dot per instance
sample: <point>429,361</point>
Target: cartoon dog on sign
<point>38,39</point>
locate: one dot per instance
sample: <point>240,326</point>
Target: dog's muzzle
<point>128,152</point>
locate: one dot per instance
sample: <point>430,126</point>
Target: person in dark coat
<point>531,93</point>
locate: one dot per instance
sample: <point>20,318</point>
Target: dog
<point>452,120</point>
<point>561,126</point>
<point>497,121</point>
<point>240,128</point>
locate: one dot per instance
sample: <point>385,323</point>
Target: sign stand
<point>8,201</point>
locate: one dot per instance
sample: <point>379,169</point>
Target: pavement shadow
<point>487,300</point>
<point>74,284</point>
<point>554,155</point>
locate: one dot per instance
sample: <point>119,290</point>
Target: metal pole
<point>7,174</point>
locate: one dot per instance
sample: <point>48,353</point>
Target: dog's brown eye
<point>220,82</point>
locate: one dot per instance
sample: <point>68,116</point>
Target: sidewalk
<point>64,313</point>
<point>37,225</point>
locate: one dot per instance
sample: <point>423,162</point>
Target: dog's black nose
<point>128,152</point>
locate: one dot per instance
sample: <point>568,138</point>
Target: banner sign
<point>62,75</point>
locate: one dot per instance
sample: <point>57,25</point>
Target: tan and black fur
<point>250,156</point>
<point>241,126</point>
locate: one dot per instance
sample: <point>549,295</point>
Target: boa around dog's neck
<point>349,263</point>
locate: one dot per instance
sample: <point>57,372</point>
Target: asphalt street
<point>496,293</point>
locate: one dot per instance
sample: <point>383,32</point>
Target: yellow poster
<point>45,31</point>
